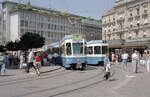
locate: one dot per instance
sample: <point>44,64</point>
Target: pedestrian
<point>135,60</point>
<point>117,57</point>
<point>10,56</point>
<point>45,58</point>
<point>30,61</point>
<point>107,67</point>
<point>15,61</point>
<point>2,64</point>
<point>37,64</point>
<point>55,55</point>
<point>113,57</point>
<point>125,60</point>
<point>22,60</point>
<point>49,58</point>
<point>148,62</point>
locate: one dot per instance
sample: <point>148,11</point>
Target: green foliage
<point>64,13</point>
<point>89,18</point>
<point>57,14</point>
<point>2,48</point>
<point>78,19</point>
<point>18,6</point>
<point>43,12</point>
<point>29,6</point>
<point>32,40</point>
<point>10,46</point>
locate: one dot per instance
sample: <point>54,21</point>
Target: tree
<point>10,46</point>
<point>2,48</point>
<point>31,40</point>
<point>29,5</point>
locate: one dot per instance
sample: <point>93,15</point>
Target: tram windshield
<point>104,49</point>
<point>77,48</point>
<point>68,48</point>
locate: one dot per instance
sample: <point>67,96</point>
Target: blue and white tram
<point>73,52</point>
<point>96,52</point>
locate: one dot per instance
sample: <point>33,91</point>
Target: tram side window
<point>68,48</point>
<point>63,50</point>
<point>90,50</point>
<point>97,50</point>
<point>104,49</point>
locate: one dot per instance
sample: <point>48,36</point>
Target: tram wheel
<point>83,67</point>
<point>101,63</point>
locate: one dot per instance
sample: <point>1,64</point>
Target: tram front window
<point>104,49</point>
<point>68,48</point>
<point>77,48</point>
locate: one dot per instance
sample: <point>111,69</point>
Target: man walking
<point>135,61</point>
<point>124,59</point>
<point>30,60</point>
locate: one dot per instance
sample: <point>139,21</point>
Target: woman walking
<point>2,64</point>
<point>148,63</point>
<point>37,64</point>
<point>135,61</point>
<point>22,60</point>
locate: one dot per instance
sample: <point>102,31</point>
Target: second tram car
<point>73,52</point>
<point>96,52</point>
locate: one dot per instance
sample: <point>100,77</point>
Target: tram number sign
<point>77,37</point>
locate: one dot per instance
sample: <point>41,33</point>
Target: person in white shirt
<point>135,60</point>
<point>50,58</point>
<point>55,55</point>
<point>124,59</point>
<point>30,60</point>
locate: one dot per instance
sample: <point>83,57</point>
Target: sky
<point>87,8</point>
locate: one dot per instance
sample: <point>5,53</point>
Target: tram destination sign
<point>76,37</point>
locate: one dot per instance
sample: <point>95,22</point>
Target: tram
<point>96,51</point>
<point>73,52</point>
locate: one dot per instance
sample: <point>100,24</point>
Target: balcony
<point>145,15</point>
<point>130,18</point>
<point>121,19</point>
<point>137,17</point>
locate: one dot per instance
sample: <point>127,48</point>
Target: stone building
<point>127,23</point>
<point>51,24</point>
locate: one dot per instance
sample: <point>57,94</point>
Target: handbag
<point>24,64</point>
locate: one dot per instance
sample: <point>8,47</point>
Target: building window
<point>22,23</point>
<point>145,11</point>
<point>131,26</point>
<point>131,14</point>
<point>138,11</point>
<point>138,24</point>
<point>137,32</point>
<point>26,23</point>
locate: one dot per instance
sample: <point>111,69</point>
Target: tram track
<point>69,84</point>
<point>42,73</point>
<point>29,79</point>
<point>83,87</point>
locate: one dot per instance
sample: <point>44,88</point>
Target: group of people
<point>137,59</point>
<point>26,60</point>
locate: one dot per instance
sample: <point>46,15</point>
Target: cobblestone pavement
<point>55,81</point>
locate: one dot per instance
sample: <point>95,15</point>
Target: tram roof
<point>96,42</point>
<point>56,44</point>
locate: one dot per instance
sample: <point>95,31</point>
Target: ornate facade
<point>128,20</point>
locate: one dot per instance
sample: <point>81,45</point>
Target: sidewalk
<point>138,84</point>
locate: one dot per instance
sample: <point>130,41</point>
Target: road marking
<point>32,73</point>
<point>130,76</point>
